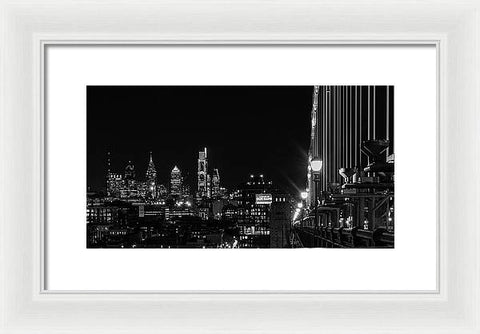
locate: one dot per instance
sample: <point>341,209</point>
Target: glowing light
<point>316,164</point>
<point>365,224</point>
<point>304,195</point>
<point>263,198</point>
<point>300,205</point>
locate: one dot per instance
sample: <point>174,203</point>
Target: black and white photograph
<point>240,167</point>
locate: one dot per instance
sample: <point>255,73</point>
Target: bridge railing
<point>329,237</point>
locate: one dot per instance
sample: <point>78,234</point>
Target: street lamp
<point>316,165</point>
<point>304,195</point>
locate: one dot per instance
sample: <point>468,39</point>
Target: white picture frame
<point>28,26</point>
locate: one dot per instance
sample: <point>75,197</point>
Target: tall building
<point>114,181</point>
<point>215,183</point>
<point>254,199</point>
<point>280,217</point>
<point>202,174</point>
<point>130,189</point>
<point>151,178</point>
<point>176,182</point>
<point>209,186</point>
<point>130,171</point>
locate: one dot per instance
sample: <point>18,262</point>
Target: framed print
<point>231,127</point>
<point>243,167</point>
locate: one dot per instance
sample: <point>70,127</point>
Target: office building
<point>215,183</point>
<point>253,213</point>
<point>151,178</point>
<point>280,220</point>
<point>202,174</point>
<point>176,182</point>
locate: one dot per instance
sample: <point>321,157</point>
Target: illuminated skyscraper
<point>209,186</point>
<point>151,178</point>
<point>176,182</point>
<point>215,183</point>
<point>130,171</point>
<point>115,182</point>
<point>202,174</point>
<point>130,187</point>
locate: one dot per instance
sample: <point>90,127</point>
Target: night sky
<point>246,129</point>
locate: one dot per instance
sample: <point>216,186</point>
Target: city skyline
<point>129,171</point>
<point>243,127</point>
